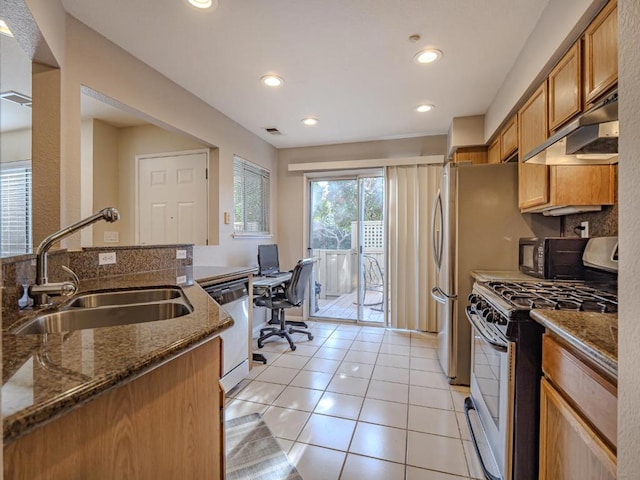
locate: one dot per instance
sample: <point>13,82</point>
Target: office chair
<point>292,295</point>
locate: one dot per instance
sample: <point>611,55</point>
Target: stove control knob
<point>473,298</point>
<point>488,315</point>
<point>481,305</point>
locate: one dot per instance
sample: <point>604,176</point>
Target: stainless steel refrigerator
<point>476,225</point>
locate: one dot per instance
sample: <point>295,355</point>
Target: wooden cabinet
<point>509,139</point>
<point>565,88</point>
<point>577,417</point>
<point>471,154</point>
<point>565,185</point>
<point>601,53</point>
<point>165,424</point>
<point>493,152</point>
<point>533,180</point>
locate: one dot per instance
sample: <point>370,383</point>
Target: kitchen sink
<point>125,297</point>
<point>109,309</point>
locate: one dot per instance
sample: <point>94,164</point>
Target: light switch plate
<point>180,254</point>
<point>108,258</point>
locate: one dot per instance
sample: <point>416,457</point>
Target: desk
<point>263,286</point>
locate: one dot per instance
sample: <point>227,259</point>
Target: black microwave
<point>554,258</point>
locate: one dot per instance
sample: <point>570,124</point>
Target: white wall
<point>629,291</point>
<point>15,145</point>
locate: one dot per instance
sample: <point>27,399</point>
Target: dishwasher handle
<point>228,292</point>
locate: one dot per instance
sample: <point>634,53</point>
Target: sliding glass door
<point>346,236</point>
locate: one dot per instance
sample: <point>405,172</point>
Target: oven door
<point>492,397</point>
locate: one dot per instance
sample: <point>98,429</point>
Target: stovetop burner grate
<point>556,295</point>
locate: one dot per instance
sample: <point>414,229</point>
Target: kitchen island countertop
<point>45,376</point>
<point>595,335</point>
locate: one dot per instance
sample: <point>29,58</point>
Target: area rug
<point>253,453</point>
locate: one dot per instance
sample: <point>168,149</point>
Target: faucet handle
<point>76,281</point>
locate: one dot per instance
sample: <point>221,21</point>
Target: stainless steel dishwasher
<point>233,297</point>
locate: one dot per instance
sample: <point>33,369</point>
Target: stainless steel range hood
<point>590,139</point>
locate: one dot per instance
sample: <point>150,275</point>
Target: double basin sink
<point>110,308</point>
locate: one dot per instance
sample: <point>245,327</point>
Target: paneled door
<point>346,237</point>
<point>173,199</point>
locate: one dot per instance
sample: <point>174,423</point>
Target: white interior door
<point>173,199</point>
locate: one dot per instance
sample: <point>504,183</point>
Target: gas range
<point>504,302</point>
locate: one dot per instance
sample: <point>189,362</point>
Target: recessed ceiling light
<point>310,121</point>
<point>4,29</point>
<point>427,55</point>
<point>272,80</point>
<point>424,108</point>
<point>204,3</point>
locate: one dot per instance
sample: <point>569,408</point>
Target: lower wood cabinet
<point>165,424</point>
<point>577,419</point>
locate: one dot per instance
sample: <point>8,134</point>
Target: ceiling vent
<point>273,131</point>
<point>16,97</point>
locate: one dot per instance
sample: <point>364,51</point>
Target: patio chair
<point>373,282</point>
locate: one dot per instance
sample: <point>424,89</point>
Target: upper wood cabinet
<point>493,153</point>
<point>533,179</point>
<point>509,139</point>
<point>471,154</point>
<point>565,90</point>
<point>601,53</point>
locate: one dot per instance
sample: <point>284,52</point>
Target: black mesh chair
<point>290,296</point>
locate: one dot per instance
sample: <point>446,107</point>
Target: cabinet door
<point>533,180</point>
<point>601,53</point>
<point>565,91</point>
<point>493,153</point>
<point>569,448</point>
<point>582,185</point>
<point>509,139</point>
<point>471,154</point>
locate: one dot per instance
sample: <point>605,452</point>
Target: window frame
<point>265,174</point>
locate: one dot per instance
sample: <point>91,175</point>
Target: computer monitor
<point>268,259</point>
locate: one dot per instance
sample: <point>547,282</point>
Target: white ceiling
<point>346,62</point>
<point>15,74</point>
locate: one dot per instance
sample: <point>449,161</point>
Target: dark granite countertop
<point>593,334</point>
<point>45,376</point>
<point>212,274</point>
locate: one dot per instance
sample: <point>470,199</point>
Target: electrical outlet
<point>181,254</point>
<point>108,258</point>
<point>584,233</point>
<point>181,279</point>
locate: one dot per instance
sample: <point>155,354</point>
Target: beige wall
<point>292,185</point>
<point>629,292</point>
<point>144,140</point>
<point>559,25</point>
<point>105,179</point>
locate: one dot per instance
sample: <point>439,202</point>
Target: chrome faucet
<point>42,290</point>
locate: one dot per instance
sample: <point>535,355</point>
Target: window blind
<point>15,209</point>
<point>251,197</point>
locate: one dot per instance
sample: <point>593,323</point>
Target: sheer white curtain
<point>410,194</point>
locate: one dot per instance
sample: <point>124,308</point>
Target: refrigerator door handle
<point>437,242</point>
<point>439,296</point>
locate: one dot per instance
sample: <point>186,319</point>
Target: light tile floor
<point>361,402</point>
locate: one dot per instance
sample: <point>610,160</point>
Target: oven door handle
<point>501,347</point>
<point>439,296</point>
<point>468,405</point>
